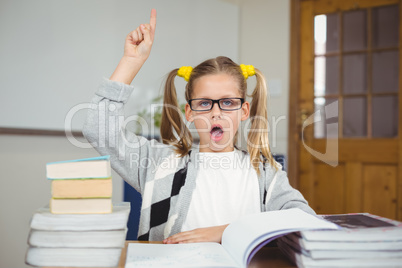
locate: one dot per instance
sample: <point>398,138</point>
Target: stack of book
<point>81,186</point>
<point>80,227</point>
<point>365,240</point>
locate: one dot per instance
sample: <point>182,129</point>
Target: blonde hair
<point>175,132</point>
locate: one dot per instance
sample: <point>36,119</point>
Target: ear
<point>188,113</point>
<point>245,110</point>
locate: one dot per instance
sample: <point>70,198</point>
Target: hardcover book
<point>356,227</point>
<point>73,257</point>
<point>74,239</point>
<point>82,188</point>
<point>81,206</point>
<point>95,167</point>
<point>364,240</point>
<point>43,219</point>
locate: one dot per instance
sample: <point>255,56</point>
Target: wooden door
<point>345,131</point>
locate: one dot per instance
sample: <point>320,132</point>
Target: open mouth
<point>216,133</point>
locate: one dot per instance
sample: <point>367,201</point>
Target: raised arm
<point>137,48</point>
<point>104,127</point>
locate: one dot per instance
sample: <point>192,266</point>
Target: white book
<point>290,248</point>
<point>240,241</point>
<point>357,227</point>
<point>394,259</point>
<point>344,245</point>
<point>43,219</point>
<point>73,257</point>
<point>303,261</point>
<point>95,167</point>
<point>77,239</point>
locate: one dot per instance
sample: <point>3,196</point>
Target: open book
<point>240,241</point>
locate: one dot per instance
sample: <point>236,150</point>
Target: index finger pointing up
<point>152,21</point>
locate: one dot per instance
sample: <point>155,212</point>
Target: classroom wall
<point>24,187</point>
<point>262,30</point>
<point>265,43</point>
<point>53,53</point>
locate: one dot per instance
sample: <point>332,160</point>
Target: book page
<point>241,237</point>
<point>177,255</point>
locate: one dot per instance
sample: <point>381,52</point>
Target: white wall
<point>53,56</point>
<point>264,43</point>
<point>24,187</point>
<point>258,33</point>
<point>53,53</point>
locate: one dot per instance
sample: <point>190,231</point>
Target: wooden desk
<point>266,257</point>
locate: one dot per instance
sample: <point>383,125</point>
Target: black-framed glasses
<point>225,104</point>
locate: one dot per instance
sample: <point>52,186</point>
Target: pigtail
<point>172,123</point>
<point>257,140</point>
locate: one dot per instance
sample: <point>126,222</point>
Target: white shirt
<point>226,189</point>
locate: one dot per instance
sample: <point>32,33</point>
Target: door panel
<point>379,190</point>
<point>329,185</point>
<point>354,66</point>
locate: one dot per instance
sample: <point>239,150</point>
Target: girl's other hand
<point>139,42</point>
<point>209,234</point>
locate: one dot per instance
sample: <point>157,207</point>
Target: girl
<point>192,194</point>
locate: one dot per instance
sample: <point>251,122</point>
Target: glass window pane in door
<point>326,75</point>
<point>354,117</point>
<point>325,118</point>
<point>319,76</point>
<point>385,23</point>
<point>320,34</point>
<point>326,33</point>
<point>332,32</point>
<point>354,73</point>
<point>385,116</point>
<point>355,30</point>
<point>385,71</point>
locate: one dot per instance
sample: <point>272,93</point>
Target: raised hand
<point>139,42</point>
<point>137,48</point>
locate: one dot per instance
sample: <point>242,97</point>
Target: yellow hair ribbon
<point>247,70</point>
<point>185,72</point>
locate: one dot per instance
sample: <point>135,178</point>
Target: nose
<point>215,111</point>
